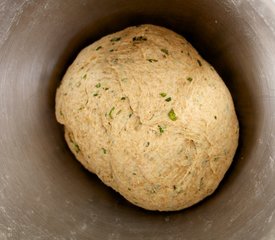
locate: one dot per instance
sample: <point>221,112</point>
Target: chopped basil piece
<point>98,85</point>
<point>106,89</point>
<point>139,39</point>
<point>161,130</point>
<point>152,60</point>
<point>95,94</point>
<point>61,113</point>
<point>165,51</point>
<point>168,99</point>
<point>85,76</point>
<point>172,115</point>
<point>98,48</point>
<point>163,94</point>
<point>104,150</point>
<point>111,50</point>
<point>115,39</point>
<point>147,144</point>
<point>199,62</point>
<point>130,115</point>
<point>123,98</point>
<point>190,79</point>
<point>118,112</point>
<point>76,147</point>
<point>111,112</point>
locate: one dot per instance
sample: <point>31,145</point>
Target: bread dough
<point>151,118</point>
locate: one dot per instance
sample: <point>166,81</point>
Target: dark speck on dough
<point>165,51</point>
<point>104,150</point>
<point>139,39</point>
<point>152,60</point>
<point>116,39</point>
<point>199,62</point>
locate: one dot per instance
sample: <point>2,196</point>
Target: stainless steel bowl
<point>44,191</point>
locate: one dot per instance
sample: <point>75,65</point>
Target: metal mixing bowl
<point>44,191</point>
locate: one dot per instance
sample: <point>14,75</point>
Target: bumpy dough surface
<point>151,118</point>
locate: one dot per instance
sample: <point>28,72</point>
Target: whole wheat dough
<point>151,118</point>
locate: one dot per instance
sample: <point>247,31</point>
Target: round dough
<point>152,119</point>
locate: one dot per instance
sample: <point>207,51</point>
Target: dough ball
<point>151,118</point>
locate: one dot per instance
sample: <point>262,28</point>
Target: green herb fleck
<point>129,189</point>
<point>118,112</point>
<point>95,94</point>
<point>134,174</point>
<point>98,85</point>
<point>111,112</point>
<point>199,62</point>
<point>161,130</point>
<point>104,150</point>
<point>139,39</point>
<point>76,147</point>
<point>106,89</point>
<point>215,117</point>
<point>61,113</point>
<point>152,60</point>
<point>163,94</point>
<point>168,99</point>
<point>165,51</point>
<point>189,79</point>
<point>116,39</point>
<point>147,144</point>
<point>172,115</point>
<point>123,98</point>
<point>98,48</point>
<point>130,115</point>
<point>111,50</point>
<point>85,76</point>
